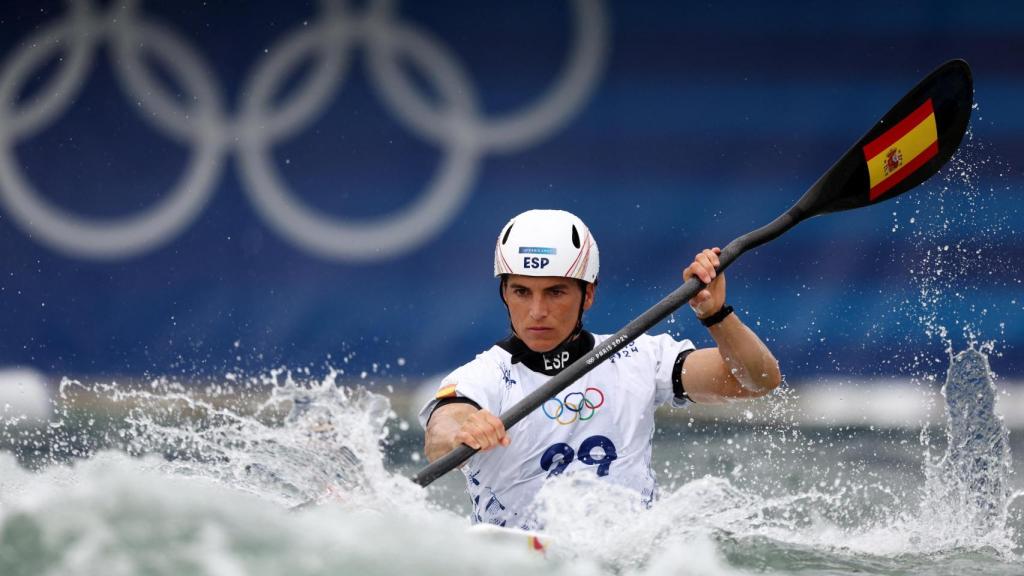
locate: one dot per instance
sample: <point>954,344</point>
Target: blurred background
<point>198,190</point>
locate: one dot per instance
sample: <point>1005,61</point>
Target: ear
<point>588,296</point>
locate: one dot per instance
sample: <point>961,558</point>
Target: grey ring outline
<point>458,128</point>
<point>102,238</point>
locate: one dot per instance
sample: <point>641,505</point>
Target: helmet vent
<point>575,237</point>
<point>504,238</point>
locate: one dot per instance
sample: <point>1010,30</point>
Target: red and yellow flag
<point>901,150</point>
<point>446,392</point>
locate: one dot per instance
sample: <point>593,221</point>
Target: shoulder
<point>663,340</point>
<point>662,345</point>
<point>650,343</point>
<point>474,380</point>
<point>486,363</point>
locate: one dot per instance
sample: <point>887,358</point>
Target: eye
<point>519,291</point>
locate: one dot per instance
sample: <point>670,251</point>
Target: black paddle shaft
<point>602,352</point>
<point>948,92</point>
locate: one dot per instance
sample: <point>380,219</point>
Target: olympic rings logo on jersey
<point>200,120</point>
<point>581,405</point>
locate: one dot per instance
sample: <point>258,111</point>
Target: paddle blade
<point>905,148</point>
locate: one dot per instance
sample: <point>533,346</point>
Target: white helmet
<point>547,243</point>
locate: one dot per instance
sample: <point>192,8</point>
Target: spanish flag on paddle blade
<point>901,150</point>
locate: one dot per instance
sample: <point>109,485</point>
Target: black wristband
<point>717,316</point>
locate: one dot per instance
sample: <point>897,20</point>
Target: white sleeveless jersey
<point>602,425</point>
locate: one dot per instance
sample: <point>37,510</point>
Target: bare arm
<point>741,366</point>
<point>454,424</point>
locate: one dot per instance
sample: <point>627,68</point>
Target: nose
<point>538,309</point>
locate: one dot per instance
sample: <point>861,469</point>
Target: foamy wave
<point>117,515</point>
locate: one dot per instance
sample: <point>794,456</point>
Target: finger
<point>489,433</point>
<point>707,259</point>
<point>483,428</point>
<point>502,438</point>
<point>464,437</point>
<point>700,270</point>
<point>713,256</point>
<point>712,260</point>
<point>478,434</point>
<point>697,270</point>
<point>499,426</point>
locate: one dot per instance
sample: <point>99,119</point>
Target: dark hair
<point>504,280</point>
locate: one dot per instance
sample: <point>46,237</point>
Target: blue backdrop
<point>191,187</point>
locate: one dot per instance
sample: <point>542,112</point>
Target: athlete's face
<point>544,309</point>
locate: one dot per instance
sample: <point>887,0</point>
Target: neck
<point>553,361</point>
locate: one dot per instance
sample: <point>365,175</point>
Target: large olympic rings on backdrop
<point>581,405</point>
<point>200,121</point>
